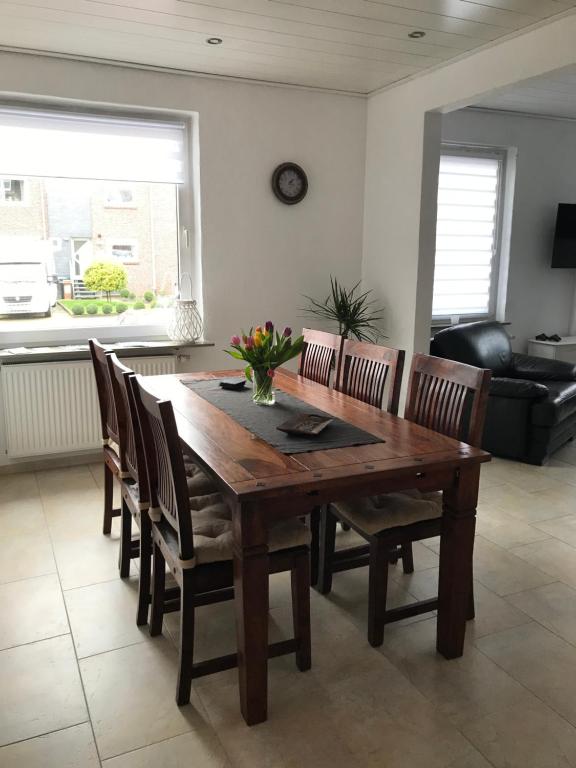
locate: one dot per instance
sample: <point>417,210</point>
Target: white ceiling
<point>348,45</point>
<point>553,95</point>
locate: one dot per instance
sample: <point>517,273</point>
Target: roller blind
<point>467,233</point>
<point>83,146</point>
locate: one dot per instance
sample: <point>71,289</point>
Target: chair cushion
<point>199,484</point>
<point>374,514</point>
<point>212,526</point>
<point>557,406</point>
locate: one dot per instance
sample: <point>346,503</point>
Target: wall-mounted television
<point>564,253</point>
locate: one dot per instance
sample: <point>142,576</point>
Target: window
<point>120,197</point>
<point>11,191</point>
<point>470,199</point>
<point>124,251</point>
<point>77,172</point>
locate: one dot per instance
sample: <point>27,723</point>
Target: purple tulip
<point>249,342</point>
<point>235,341</point>
<point>287,332</point>
<point>269,326</point>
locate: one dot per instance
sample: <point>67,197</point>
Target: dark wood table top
<point>252,469</point>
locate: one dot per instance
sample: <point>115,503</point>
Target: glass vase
<point>263,387</point>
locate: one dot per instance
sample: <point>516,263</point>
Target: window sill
<point>67,352</point>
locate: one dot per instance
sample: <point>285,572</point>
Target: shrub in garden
<point>125,293</point>
<point>77,309</point>
<point>121,307</point>
<point>105,276</point>
<point>92,309</point>
<point>107,309</point>
<point>132,296</point>
<point>148,296</point>
<point>139,305</point>
<point>152,304</point>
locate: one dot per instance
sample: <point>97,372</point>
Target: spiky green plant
<point>356,314</point>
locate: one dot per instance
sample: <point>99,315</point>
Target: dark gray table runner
<point>262,420</point>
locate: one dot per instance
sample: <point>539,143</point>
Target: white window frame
<point>501,154</point>
<point>13,203</point>
<point>188,234</point>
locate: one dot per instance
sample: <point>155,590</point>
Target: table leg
<point>456,555</point>
<point>251,600</point>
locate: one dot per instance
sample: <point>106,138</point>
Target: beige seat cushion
<point>199,484</point>
<point>212,526</point>
<point>374,514</point>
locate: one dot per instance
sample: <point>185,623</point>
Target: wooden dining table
<point>264,486</point>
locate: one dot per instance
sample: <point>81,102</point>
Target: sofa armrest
<point>518,389</point>
<point>541,369</point>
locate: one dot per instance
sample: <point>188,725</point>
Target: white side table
<point>554,350</point>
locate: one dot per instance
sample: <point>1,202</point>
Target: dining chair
<point>113,466</point>
<point>194,538</point>
<point>444,396</point>
<point>134,485</point>
<point>365,369</point>
<point>320,356</point>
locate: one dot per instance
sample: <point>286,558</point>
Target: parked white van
<point>24,284</point>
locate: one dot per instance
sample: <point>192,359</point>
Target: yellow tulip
<point>257,339</point>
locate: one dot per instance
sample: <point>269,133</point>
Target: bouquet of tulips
<point>264,349</point>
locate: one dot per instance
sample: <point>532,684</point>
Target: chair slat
<point>320,354</point>
<point>364,370</point>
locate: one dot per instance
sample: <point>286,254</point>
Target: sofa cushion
<point>484,344</point>
<point>557,406</point>
<point>518,389</point>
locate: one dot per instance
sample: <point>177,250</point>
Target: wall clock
<point>289,183</point>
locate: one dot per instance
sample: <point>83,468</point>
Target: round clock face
<point>289,183</point>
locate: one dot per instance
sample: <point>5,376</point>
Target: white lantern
<point>185,321</point>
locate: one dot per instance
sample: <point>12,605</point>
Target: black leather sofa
<point>532,404</point>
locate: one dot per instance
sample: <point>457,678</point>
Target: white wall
<point>259,256</point>
<point>401,158</point>
<point>538,298</point>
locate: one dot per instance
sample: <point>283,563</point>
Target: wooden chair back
<point>448,397</point>
<point>364,370</point>
<point>320,354</point>
<point>167,488</point>
<point>108,418</point>
<point>131,445</point>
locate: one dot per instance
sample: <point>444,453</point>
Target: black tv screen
<point>564,253</point>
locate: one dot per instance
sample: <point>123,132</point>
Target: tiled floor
<point>83,687</point>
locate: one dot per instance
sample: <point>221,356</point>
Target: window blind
<point>83,146</point>
<point>466,234</point>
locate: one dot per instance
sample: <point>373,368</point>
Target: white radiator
<point>53,407</point>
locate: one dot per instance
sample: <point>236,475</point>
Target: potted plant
<point>356,314</point>
<point>264,349</point>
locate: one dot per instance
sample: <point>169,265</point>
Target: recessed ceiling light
<point>214,41</point>
<point>417,34</point>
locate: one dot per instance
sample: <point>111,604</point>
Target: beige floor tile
<point>528,477</point>
<point>41,690</point>
<point>190,750</point>
<point>70,748</point>
<point>519,503</point>
<point>494,525</point>
<point>531,736</point>
<point>462,689</point>
<point>301,730</point>
<point>384,721</point>
<point>553,605</point>
<point>25,556</point>
<point>551,556</point>
<point>21,517</point>
<point>103,616</point>
<point>87,560</point>
<point>563,528</point>
<point>97,470</point>
<point>21,486</point>
<point>539,660</point>
<point>502,572</point>
<point>130,695</point>
<point>31,610</point>
<point>65,481</point>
